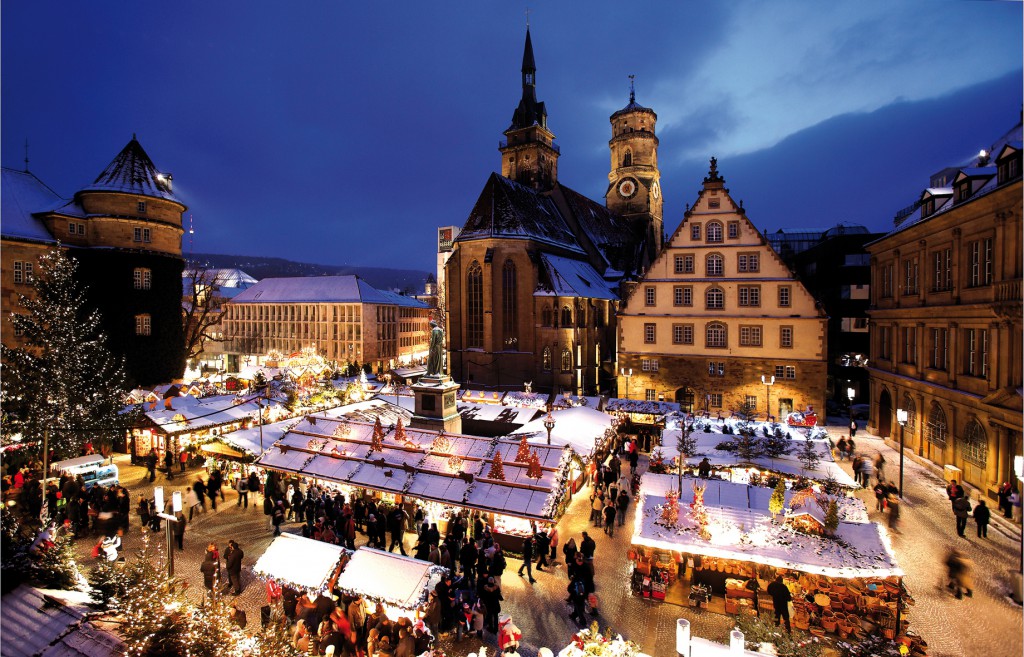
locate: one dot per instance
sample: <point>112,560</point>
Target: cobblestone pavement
<point>988,624</point>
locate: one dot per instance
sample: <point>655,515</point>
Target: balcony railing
<point>1009,291</point>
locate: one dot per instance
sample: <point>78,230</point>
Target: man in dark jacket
<point>396,527</point>
<point>780,600</point>
<point>233,564</point>
<point>981,516</point>
<point>587,547</point>
<point>151,464</point>
<point>542,543</point>
<point>209,568</point>
<point>962,510</point>
<point>527,559</point>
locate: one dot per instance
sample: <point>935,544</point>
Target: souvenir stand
<point>705,546</point>
<point>302,563</point>
<point>235,452</point>
<point>644,420</point>
<point>586,430</point>
<point>400,584</point>
<point>442,473</point>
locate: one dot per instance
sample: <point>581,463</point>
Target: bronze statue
<point>435,357</point>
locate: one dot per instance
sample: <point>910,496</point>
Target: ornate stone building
<point>946,308</point>
<point>532,284</point>
<point>125,231</point>
<point>716,311</point>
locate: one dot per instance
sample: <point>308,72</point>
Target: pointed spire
<point>529,67</point>
<point>132,172</point>
<point>632,91</point>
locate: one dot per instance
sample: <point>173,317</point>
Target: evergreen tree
<point>533,470</point>
<point>775,444</point>
<point>523,455</point>
<point>497,467</point>
<point>809,455</point>
<point>377,440</point>
<point>748,446</point>
<point>64,379</point>
<point>832,517</point>
<point>778,499</point>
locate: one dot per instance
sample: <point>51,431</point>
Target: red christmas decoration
<point>377,442</point>
<point>497,468</point>
<point>523,455</point>
<point>699,513</point>
<point>533,470</point>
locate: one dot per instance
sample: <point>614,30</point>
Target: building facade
<point>531,286</point>
<point>125,232</point>
<point>946,319</point>
<point>717,311</point>
<point>343,317</point>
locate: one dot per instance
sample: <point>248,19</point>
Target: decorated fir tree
<point>533,469</point>
<point>832,517</point>
<point>497,467</point>
<point>64,378</point>
<point>523,455</point>
<point>699,512</point>
<point>670,512</point>
<point>778,499</point>
<point>377,440</point>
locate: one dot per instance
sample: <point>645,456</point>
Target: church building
<point>533,282</point>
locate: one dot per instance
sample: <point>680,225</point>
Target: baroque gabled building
<point>717,311</point>
<point>532,283</point>
<point>946,326</point>
<point>125,231</point>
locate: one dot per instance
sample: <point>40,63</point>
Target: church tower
<point>634,182</point>
<point>528,154</point>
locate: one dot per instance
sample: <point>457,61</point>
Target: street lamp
<point>901,416</point>
<point>158,497</point>
<point>628,372</point>
<point>851,393</point>
<point>768,383</point>
<point>549,424</point>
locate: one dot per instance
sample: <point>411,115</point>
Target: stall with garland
<point>302,563</point>
<point>641,419</point>
<point>513,484</point>
<point>398,583</point>
<point>717,544</point>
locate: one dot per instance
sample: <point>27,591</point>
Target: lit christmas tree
<point>497,467</point>
<point>523,455</point>
<point>699,512</point>
<point>670,512</point>
<point>533,470</point>
<point>377,441</point>
<point>64,378</point>
<point>778,499</point>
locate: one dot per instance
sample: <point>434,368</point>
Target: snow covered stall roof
<point>423,466</point>
<point>301,562</point>
<point>745,532</point>
<point>392,578</point>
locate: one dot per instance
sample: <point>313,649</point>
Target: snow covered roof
<point>575,278</point>
<point>707,446</point>
<point>313,289</point>
<point>191,414</point>
<point>52,623</point>
<point>132,172</point>
<point>21,195</point>
<point>300,562</point>
<point>402,300</point>
<point>738,531</point>
<point>640,406</point>
<point>369,410</point>
<point>339,450</point>
<point>392,578</point>
<point>572,401</point>
<point>248,440</point>
<point>576,427</point>
<point>497,413</point>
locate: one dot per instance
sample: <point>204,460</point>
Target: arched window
<point>581,316</point>
<point>937,426</point>
<point>627,159</point>
<point>546,359</point>
<point>911,409</point>
<point>509,316</point>
<point>475,306</point>
<point>546,316</point>
<point>974,444</point>
<point>715,298</point>
<point>717,335</point>
<point>566,316</point>
<point>566,360</point>
<point>142,278</point>
<point>714,264</point>
<point>713,232</point>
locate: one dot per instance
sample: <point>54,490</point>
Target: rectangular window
<point>750,295</point>
<point>142,325</point>
<point>939,348</point>
<point>784,296</point>
<point>780,372</point>
<point>790,372</point>
<point>682,295</point>
<point>750,336</point>
<point>650,394</point>
<point>679,266</point>
<point>137,234</point>
<point>750,401</point>
<point>748,262</point>
<point>141,207</point>
<point>715,400</point>
<point>942,270</point>
<point>695,232</point>
<point>19,273</point>
<point>976,352</point>
<point>143,279</point>
<point>887,279</point>
<point>981,262</point>
<point>688,264</point>
<point>910,276</point>
<point>682,334</point>
<point>650,333</point>
<point>650,296</point>
<point>884,339</point>
<point>734,230</point>
<point>786,337</point>
<point>649,364</point>
<point>909,342</point>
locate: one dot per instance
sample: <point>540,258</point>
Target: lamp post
<point>627,372</point>
<point>851,393</point>
<point>768,382</point>
<point>549,424</point>
<point>901,416</point>
<point>158,497</point>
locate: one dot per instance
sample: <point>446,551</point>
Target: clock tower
<point>634,182</point>
<point>528,154</point>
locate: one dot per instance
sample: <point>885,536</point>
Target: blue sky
<point>346,133</point>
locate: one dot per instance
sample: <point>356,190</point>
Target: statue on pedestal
<point>435,357</point>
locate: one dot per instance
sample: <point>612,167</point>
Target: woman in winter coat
<point>491,597</point>
<point>569,550</point>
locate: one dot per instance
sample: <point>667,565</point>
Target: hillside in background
<point>404,280</point>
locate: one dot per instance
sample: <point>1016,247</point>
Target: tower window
<point>566,360</point>
<point>143,325</point>
<point>509,314</point>
<point>142,234</point>
<point>141,207</point>
<point>546,359</point>
<point>627,159</point>
<point>143,278</point>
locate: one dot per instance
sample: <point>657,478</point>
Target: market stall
<point>401,584</point>
<point>302,563</point>
<point>642,419</point>
<point>718,544</point>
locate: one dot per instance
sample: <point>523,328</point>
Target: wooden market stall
<point>644,420</point>
<point>703,547</point>
<point>400,583</point>
<point>302,563</point>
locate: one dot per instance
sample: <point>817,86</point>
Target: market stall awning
<point>577,427</point>
<point>738,531</point>
<point>301,562</point>
<point>390,578</point>
<point>220,449</point>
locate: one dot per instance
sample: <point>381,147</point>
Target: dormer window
<point>928,207</point>
<point>1008,165</point>
<point>963,191</point>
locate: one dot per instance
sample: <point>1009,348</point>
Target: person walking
<point>587,547</point>
<point>982,514</point>
<point>880,467</point>
<point>169,463</point>
<point>893,501</point>
<point>192,502</point>
<point>961,510</point>
<point>527,559</point>
<point>596,505</point>
<point>1004,499</point>
<point>569,551</point>
<point>243,492</point>
<point>781,598</point>
<point>553,543</point>
<point>867,468</point>
<point>491,597</point>
<point>842,448</point>
<point>621,504</point>
<point>183,460</point>
<point>179,530</point>
<point>577,597</point>
<point>954,491</point>
<point>880,495</point>
<point>233,564</point>
<point>609,518</point>
<point>210,570</point>
<point>958,570</point>
<point>200,490</point>
<point>540,540</point>
<point>1015,504</point>
<point>853,428</point>
<point>277,517</point>
<point>396,527</point>
<point>151,464</point>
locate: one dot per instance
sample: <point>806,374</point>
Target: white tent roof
<point>395,579</point>
<point>576,427</point>
<point>298,561</point>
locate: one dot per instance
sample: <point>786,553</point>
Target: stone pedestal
<point>435,404</point>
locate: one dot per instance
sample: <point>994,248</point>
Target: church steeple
<point>529,155</point>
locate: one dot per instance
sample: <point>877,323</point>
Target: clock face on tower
<point>627,188</point>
